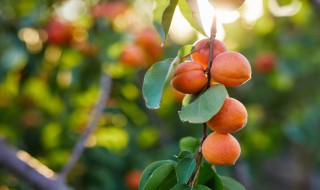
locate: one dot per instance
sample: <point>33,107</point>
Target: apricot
<point>109,10</point>
<point>150,40</point>
<point>226,5</point>
<point>189,77</point>
<point>202,56</point>
<point>231,69</point>
<point>265,62</point>
<point>59,32</point>
<point>231,117</point>
<point>221,149</point>
<point>133,56</point>
<point>132,179</point>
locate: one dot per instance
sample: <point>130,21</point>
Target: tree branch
<point>105,85</point>
<point>28,168</point>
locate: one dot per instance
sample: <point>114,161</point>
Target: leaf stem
<point>194,51</point>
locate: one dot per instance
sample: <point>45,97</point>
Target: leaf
<point>190,11</point>
<point>205,106</point>
<point>164,177</point>
<point>148,171</point>
<point>181,187</point>
<point>217,181</point>
<point>155,79</point>
<point>185,169</point>
<point>185,50</point>
<point>206,173</point>
<point>184,154</point>
<point>162,16</point>
<point>231,184</point>
<point>201,187</point>
<point>189,144</point>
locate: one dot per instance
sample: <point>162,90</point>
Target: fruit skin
<point>221,149</point>
<point>265,62</point>
<point>133,56</point>
<point>226,5</point>
<point>109,10</point>
<point>231,117</point>
<point>202,56</point>
<point>59,32</point>
<point>132,179</point>
<point>231,69</point>
<point>189,77</point>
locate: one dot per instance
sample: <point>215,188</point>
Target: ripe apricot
<point>109,10</point>
<point>202,56</point>
<point>265,62</point>
<point>132,179</point>
<point>231,117</point>
<point>59,32</point>
<point>227,5</point>
<point>150,40</point>
<point>189,77</point>
<point>231,69</point>
<point>133,56</point>
<point>221,149</point>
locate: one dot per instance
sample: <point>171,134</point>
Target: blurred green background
<point>53,52</point>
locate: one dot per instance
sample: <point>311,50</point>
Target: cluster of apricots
<point>145,50</point>
<point>230,69</point>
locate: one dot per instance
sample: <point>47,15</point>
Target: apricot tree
<point>202,71</point>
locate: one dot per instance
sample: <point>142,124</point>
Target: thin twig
<point>105,85</point>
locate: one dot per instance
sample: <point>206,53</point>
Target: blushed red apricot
<point>265,62</point>
<point>231,69</point>
<point>133,56</point>
<point>202,56</point>
<point>189,77</point>
<point>226,5</point>
<point>231,117</point>
<point>221,149</point>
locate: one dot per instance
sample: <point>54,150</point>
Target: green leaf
<point>201,187</point>
<point>185,50</point>
<point>162,16</point>
<point>206,173</point>
<point>164,177</point>
<point>231,184</point>
<point>217,181</point>
<point>184,154</point>
<point>204,106</point>
<point>189,144</point>
<point>185,169</point>
<point>155,80</point>
<point>149,170</point>
<point>190,11</point>
<point>186,187</point>
<point>181,187</point>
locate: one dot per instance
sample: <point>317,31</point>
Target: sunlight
<point>71,10</point>
<point>34,163</point>
<point>252,11</point>
<point>286,10</point>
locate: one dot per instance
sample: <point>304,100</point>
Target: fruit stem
<point>199,157</point>
<point>194,51</point>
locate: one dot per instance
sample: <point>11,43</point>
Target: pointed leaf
<point>162,16</point>
<point>205,106</point>
<point>190,11</point>
<point>185,50</point>
<point>184,154</point>
<point>185,169</point>
<point>155,79</point>
<point>231,184</point>
<point>189,144</point>
<point>206,173</point>
<point>148,171</point>
<point>163,177</point>
<point>217,181</point>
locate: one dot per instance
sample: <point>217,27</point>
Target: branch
<point>28,168</point>
<point>105,85</point>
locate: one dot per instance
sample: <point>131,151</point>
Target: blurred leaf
<point>186,187</point>
<point>231,184</point>
<point>200,187</point>
<point>154,81</point>
<point>205,106</point>
<point>162,16</point>
<point>150,169</point>
<point>191,12</point>
<point>185,169</point>
<point>163,177</point>
<point>185,50</point>
<point>189,144</point>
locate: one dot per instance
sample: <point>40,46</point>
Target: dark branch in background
<point>37,175</point>
<point>105,85</point>
<point>11,161</point>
